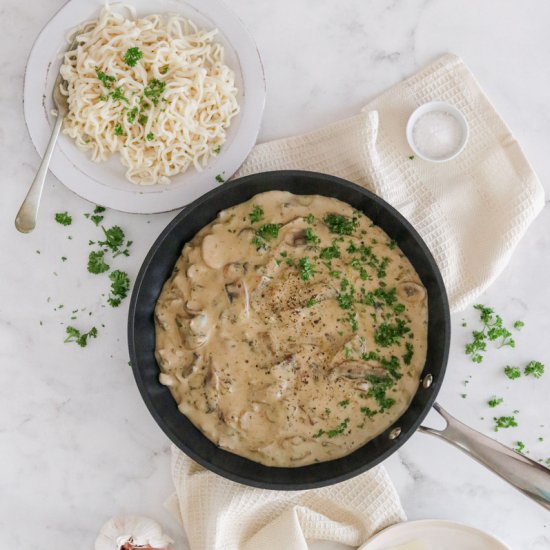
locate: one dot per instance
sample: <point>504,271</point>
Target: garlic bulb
<point>132,532</point>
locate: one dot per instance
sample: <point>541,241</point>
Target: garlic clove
<point>132,533</point>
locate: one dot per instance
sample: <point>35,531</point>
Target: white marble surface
<point>76,442</point>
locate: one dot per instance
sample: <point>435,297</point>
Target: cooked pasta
<point>154,89</point>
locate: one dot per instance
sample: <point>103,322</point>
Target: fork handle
<point>26,217</point>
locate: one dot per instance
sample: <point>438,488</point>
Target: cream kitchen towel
<point>218,514</point>
<point>472,212</point>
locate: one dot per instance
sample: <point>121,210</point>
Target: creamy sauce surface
<point>292,330</point>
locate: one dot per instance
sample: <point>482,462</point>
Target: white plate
<point>104,183</point>
<point>433,534</point>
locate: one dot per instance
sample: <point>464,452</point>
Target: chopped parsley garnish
<point>311,302</point>
<point>378,389</point>
<point>369,413</point>
<point>120,284</point>
<point>98,209</point>
<point>154,89</point>
<point>132,56</point>
<point>492,330</point>
<point>345,299</point>
<point>150,136</point>
<point>63,218</point>
<point>512,372</point>
<point>118,130</point>
<point>341,225</point>
<point>257,214</point>
<point>338,430</point>
<point>495,401</point>
<point>114,240</point>
<point>132,114</point>
<point>534,368</point>
<point>392,244</point>
<point>118,95</point>
<point>219,178</point>
<point>96,262</point>
<point>518,325</point>
<point>310,218</point>
<point>330,252</point>
<point>505,422</point>
<point>352,318</point>
<point>63,258</point>
<point>408,355</point>
<point>163,70</point>
<point>344,403</point>
<point>310,236</point>
<point>411,157</point>
<point>74,335</point>
<point>520,446</point>
<point>143,119</point>
<point>388,334</point>
<point>268,231</point>
<point>306,269</point>
<point>105,79</point>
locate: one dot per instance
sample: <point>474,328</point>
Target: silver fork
<point>25,220</point>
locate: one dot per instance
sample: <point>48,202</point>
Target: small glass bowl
<point>432,107</point>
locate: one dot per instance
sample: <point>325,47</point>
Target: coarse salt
<point>437,135</point>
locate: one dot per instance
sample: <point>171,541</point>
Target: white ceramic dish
<point>433,534</point>
<point>104,183</point>
<point>432,107</point>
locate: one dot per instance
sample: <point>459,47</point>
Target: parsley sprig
<point>132,56</point>
<point>492,330</point>
<point>81,338</point>
<point>63,218</point>
<point>120,285</point>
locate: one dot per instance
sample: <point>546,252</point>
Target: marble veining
<point>77,444</point>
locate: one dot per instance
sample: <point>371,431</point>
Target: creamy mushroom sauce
<point>292,330</point>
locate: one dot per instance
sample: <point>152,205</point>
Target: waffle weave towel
<point>471,212</point>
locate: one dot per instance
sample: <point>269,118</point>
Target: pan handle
<point>531,478</point>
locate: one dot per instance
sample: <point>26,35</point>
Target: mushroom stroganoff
<point>292,330</point>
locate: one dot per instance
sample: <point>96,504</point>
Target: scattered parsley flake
<point>120,284</point>
<point>118,130</point>
<point>132,56</point>
<point>306,269</point>
<point>520,446</point>
<point>534,368</point>
<point>505,422</point>
<point>118,95</point>
<point>63,258</point>
<point>257,214</point>
<point>150,136</point>
<point>105,79</point>
<point>512,372</point>
<point>74,335</point>
<point>341,225</point>
<point>495,401</point>
<point>407,357</point>
<point>310,218</point>
<point>219,178</point>
<point>63,218</point>
<point>411,157</point>
<point>518,325</point>
<point>217,150</point>
<point>154,89</point>
<point>268,231</point>
<point>344,403</point>
<point>311,237</point>
<point>132,114</point>
<point>96,262</point>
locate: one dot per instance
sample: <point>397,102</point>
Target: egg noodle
<point>154,89</point>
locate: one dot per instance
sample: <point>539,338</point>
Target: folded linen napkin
<point>471,212</point>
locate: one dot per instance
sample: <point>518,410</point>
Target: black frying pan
<point>158,266</point>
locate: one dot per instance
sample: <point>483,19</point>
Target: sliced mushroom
<point>212,252</point>
<point>234,271</point>
<point>355,370</point>
<point>194,307</point>
<point>296,238</point>
<point>411,292</point>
